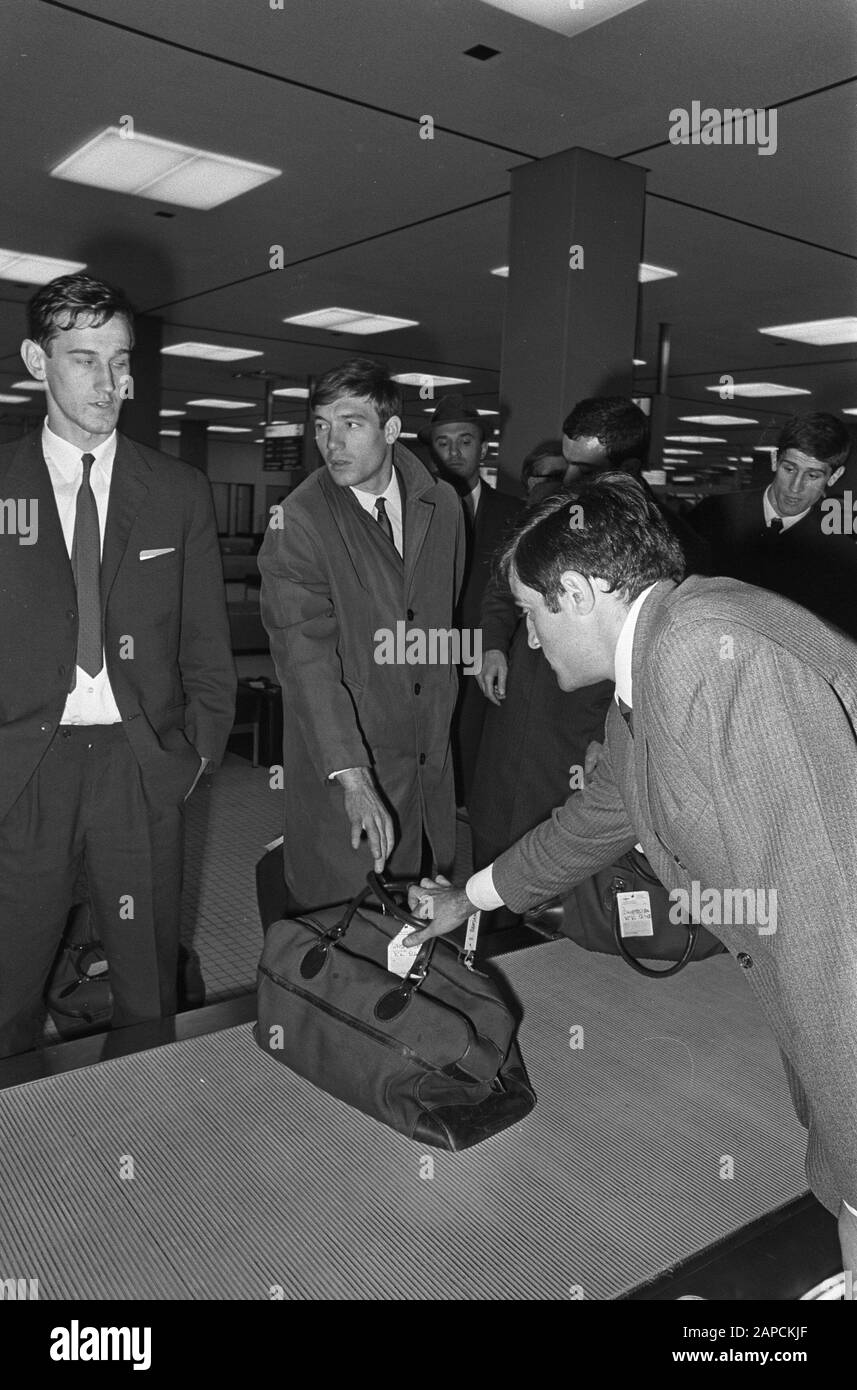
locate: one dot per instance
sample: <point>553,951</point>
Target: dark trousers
<point>85,809</point>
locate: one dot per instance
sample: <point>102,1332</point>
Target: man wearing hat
<point>457,438</point>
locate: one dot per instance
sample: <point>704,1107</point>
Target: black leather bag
<point>78,993</point>
<point>591,918</point>
<point>432,1055</point>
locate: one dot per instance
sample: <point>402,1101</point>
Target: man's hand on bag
<point>440,903</point>
<point>591,759</point>
<point>366,811</point>
<point>492,677</point>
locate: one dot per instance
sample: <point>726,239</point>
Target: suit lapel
<point>129,486</point>
<point>28,477</point>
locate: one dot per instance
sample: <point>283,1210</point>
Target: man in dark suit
<point>361,567</point>
<point>457,437</point>
<point>730,754</point>
<point>779,538</point>
<point>116,678</point>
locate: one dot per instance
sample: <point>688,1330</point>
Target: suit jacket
<point>332,584</point>
<point>741,774</point>
<point>166,637</point>
<point>804,564</point>
<point>496,516</point>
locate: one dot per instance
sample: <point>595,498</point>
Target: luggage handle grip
<point>388,902</point>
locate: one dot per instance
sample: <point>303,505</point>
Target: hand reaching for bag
<point>366,811</point>
<point>444,907</point>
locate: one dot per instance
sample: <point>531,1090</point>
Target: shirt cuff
<point>844,1203</point>
<point>481,891</point>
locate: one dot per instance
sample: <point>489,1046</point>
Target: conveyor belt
<point>247,1178</point>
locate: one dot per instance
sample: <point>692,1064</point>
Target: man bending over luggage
<point>730,754</point>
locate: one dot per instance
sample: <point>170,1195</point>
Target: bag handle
<point>383,890</point>
<point>693,933</point>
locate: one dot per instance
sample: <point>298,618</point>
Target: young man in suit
<point>457,437</point>
<point>779,538</point>
<point>361,567</point>
<point>116,678</point>
<point>731,756</point>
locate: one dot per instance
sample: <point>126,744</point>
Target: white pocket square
<point>151,554</point>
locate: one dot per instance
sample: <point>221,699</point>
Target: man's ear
<point>393,429</point>
<point>835,475</point>
<point>34,358</point>
<point>483,451</point>
<point>579,591</point>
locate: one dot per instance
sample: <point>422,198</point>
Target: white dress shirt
<point>91,701</point>
<point>393,498</point>
<point>771,512</point>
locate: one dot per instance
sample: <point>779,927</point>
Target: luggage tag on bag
<point>635,914</point>
<point>400,958</point>
<point>471,936</point>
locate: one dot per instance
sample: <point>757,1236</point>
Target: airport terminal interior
<point>525,203</point>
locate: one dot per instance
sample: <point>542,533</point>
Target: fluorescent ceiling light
<point>161,169</point>
<point>562,17</point>
<point>35,270</point>
<point>14,400</point>
<point>210,352</point>
<point>762,388</point>
<point>229,429</point>
<point>165,413</point>
<point>639,362</point>
<point>746,458</point>
<point>302,392</point>
<point>337,320</point>
<point>684,452</point>
<point>173,434</point>
<point>487,412</point>
<point>694,439</point>
<point>850,411</point>
<point>406,434</point>
<point>653,272</point>
<point>29,386</point>
<point>718,420</point>
<point>818,332</point>
<point>765,449</point>
<point>215,404</point>
<point>502,271</point>
<point>424,378</point>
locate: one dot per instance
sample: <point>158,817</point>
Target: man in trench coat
<point>361,566</point>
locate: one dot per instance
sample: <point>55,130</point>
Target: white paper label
<point>635,914</point>
<point>400,958</point>
<point>471,936</point>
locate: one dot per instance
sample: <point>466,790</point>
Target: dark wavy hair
<point>821,436</point>
<point>616,422</point>
<point>61,303</point>
<point>611,529</point>
<point>362,377</point>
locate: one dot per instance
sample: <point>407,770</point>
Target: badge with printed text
<point>635,914</point>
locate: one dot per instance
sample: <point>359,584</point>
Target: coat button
<point>410,615</point>
<point>417,688</point>
<point>70,614</point>
<point>422,758</point>
<point>45,728</point>
<point>745,961</point>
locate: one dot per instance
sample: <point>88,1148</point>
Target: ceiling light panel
<point>646,273</point>
<point>214,403</point>
<point>761,389</point>
<point>229,429</point>
<point>717,420</point>
<point>210,352</point>
<point>148,167</point>
<point>14,400</point>
<point>299,392</point>
<point>562,17</point>
<point>818,332</point>
<point>337,320</point>
<point>35,270</point>
<point>426,378</point>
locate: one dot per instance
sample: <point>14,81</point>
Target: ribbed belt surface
<point>248,1180</point>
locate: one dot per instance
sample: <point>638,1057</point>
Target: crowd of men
<point>602,646</point>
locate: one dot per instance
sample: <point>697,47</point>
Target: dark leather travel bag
<point>431,1054</point>
<point>590,916</point>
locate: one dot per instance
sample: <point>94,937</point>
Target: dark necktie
<point>627,714</point>
<point>776,525</point>
<point>86,565</point>
<point>383,519</point>
<point>469,509</point>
